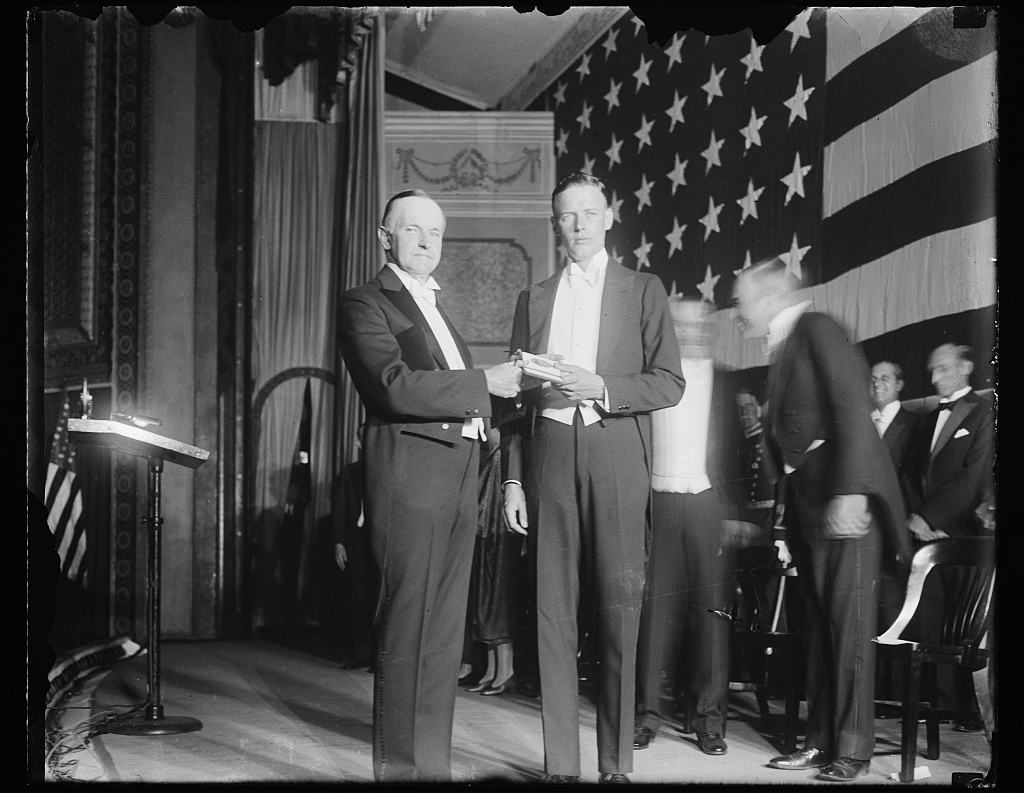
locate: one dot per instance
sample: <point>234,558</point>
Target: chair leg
<point>792,717</point>
<point>911,694</point>
<point>762,706</point>
<point>931,729</point>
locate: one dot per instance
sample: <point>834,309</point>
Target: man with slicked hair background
<point>844,513</point>
<point>426,411</point>
<point>579,469</point>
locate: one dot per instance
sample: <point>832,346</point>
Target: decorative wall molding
<point>573,44</point>
<point>77,184</point>
<point>474,164</point>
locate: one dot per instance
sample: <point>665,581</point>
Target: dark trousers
<point>423,546</point>
<point>839,582</point>
<point>587,492</point>
<point>685,585</point>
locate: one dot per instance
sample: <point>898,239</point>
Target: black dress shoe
<point>800,760</point>
<point>559,779</point>
<point>711,743</point>
<point>968,725</point>
<point>844,769</point>
<point>614,779</point>
<point>483,685</point>
<point>509,685</point>
<point>643,737</point>
<point>884,711</point>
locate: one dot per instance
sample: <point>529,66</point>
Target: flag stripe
<point>881,78</point>
<point>911,208</point>
<point>76,553</point>
<point>58,496</point>
<point>854,31</point>
<point>66,522</point>
<point>953,269</point>
<point>891,145</point>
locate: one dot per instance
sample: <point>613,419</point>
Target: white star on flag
<point>675,238</point>
<point>752,60</point>
<point>584,117</point>
<point>676,174</point>
<point>613,153</point>
<point>672,51</point>
<point>588,164</point>
<point>707,286</point>
<point>609,42</point>
<point>616,206</point>
<point>644,133</point>
<point>713,87</point>
<point>562,145</point>
<point>643,195</point>
<point>560,94</point>
<point>676,111</point>
<point>612,97</point>
<point>798,27</point>
<point>746,264</point>
<point>797,103</point>
<point>750,133</point>
<point>641,73</point>
<point>710,154</point>
<point>710,220</point>
<point>642,251</point>
<point>794,257</point>
<point>637,25</point>
<point>749,202</point>
<point>672,291</point>
<point>614,256</point>
<point>584,68</point>
<point>794,180</point>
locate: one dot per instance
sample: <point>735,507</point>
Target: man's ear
<point>554,226</point>
<point>899,386</point>
<point>384,237</point>
<point>609,218</point>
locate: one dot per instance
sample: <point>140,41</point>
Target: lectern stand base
<point>168,725</point>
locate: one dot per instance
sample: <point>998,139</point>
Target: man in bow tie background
<point>951,455</point>
<point>947,477</point>
<point>425,419</point>
<point>578,478</point>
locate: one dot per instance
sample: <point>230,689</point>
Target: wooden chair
<point>775,658</point>
<point>962,641</point>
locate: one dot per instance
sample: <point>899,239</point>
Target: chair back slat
<point>970,603</point>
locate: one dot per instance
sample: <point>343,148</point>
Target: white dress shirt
<point>574,334</point>
<point>679,434</point>
<point>883,418</point>
<point>426,301</point>
<point>943,416</point>
<point>782,324</point>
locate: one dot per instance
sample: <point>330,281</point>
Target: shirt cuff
<point>510,482</point>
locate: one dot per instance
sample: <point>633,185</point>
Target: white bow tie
<point>424,291</point>
<point>578,276</point>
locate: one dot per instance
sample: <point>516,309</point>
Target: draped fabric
<point>361,191</point>
<point>293,326</point>
<point>318,198</point>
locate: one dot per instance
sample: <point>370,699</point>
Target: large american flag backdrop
<point>860,144</point>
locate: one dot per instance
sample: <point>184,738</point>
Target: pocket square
<point>961,432</point>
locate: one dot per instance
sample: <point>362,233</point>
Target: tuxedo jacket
<point>945,486</point>
<point>898,436</point>
<point>816,392</point>
<point>410,395</point>
<point>637,353</point>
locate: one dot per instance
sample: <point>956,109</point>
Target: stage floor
<point>273,713</point>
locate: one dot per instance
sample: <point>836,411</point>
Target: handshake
<point>506,380</point>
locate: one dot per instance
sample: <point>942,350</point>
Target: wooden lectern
<point>128,439</point>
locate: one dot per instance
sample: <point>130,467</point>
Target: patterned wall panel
<point>129,72</point>
<point>482,280</point>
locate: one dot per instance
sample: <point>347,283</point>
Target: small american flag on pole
<point>64,499</point>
